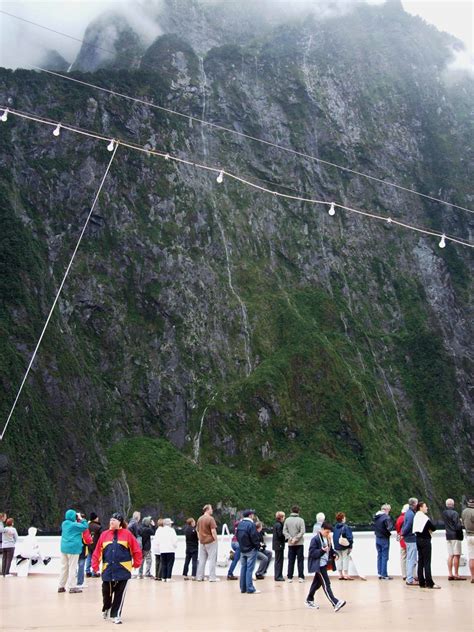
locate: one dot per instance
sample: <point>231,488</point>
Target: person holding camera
<point>264,557</point>
<point>72,528</point>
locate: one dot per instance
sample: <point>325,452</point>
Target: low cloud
<point>463,62</point>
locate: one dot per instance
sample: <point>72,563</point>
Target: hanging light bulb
<point>111,145</point>
<point>442,243</point>
<point>332,210</point>
<point>4,116</point>
<point>167,156</point>
<point>220,177</point>
<point>389,220</point>
<point>57,130</point>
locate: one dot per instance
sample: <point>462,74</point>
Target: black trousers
<point>190,557</point>
<point>167,561</point>
<point>423,546</point>
<point>279,564</point>
<point>113,594</point>
<point>158,567</point>
<point>296,553</point>
<point>7,556</point>
<point>321,578</point>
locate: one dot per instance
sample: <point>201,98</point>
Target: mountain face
<point>214,343</point>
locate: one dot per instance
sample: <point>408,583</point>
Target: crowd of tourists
<point>142,548</point>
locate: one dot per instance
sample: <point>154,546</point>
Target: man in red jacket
<point>120,552</point>
<point>403,547</point>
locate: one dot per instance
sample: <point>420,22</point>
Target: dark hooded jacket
<point>383,525</point>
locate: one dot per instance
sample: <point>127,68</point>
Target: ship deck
<point>32,603</point>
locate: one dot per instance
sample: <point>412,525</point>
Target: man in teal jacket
<point>71,545</point>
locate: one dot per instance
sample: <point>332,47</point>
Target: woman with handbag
<point>343,541</point>
<point>321,558</point>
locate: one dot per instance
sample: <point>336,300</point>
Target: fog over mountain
<point>24,44</point>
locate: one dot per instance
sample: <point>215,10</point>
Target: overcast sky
<point>19,41</point>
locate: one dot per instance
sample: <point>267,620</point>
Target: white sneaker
<point>340,604</point>
<point>117,620</point>
<point>301,580</point>
<point>290,580</point>
<point>254,592</point>
<point>312,604</point>
<point>216,579</point>
<point>105,615</point>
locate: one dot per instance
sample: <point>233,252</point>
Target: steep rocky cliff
<point>214,343</point>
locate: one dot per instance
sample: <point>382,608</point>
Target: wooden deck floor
<point>33,603</point>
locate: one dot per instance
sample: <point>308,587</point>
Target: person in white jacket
<point>166,542</point>
<point>29,550</point>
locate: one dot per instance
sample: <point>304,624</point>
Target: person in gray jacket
<point>294,530</point>
<point>9,540</point>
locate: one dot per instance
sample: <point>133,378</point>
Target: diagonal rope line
<point>47,28</point>
<point>269,143</point>
<point>218,170</point>
<point>217,126</point>
<point>58,293</point>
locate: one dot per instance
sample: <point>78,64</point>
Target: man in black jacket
<point>95,529</point>
<point>278,545</point>
<point>249,543</point>
<point>263,556</point>
<point>383,525</point>
<point>454,537</point>
<point>147,531</point>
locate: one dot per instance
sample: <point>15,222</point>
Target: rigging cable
<point>25,377</point>
<point>223,172</point>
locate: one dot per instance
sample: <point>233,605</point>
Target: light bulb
<point>389,220</point>
<point>332,210</point>
<point>111,145</point>
<point>57,130</point>
<point>167,157</point>
<point>4,116</point>
<point>220,177</point>
<point>442,243</point>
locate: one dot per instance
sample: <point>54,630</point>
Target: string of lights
<point>215,125</point>
<point>58,293</point>
<point>113,142</point>
<point>222,128</point>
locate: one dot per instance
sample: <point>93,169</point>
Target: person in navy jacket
<point>320,556</point>
<point>249,543</point>
<point>119,552</point>
<point>342,530</point>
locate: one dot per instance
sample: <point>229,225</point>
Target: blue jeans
<point>383,546</point>
<point>80,571</point>
<point>236,548</point>
<point>411,561</point>
<point>247,564</point>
